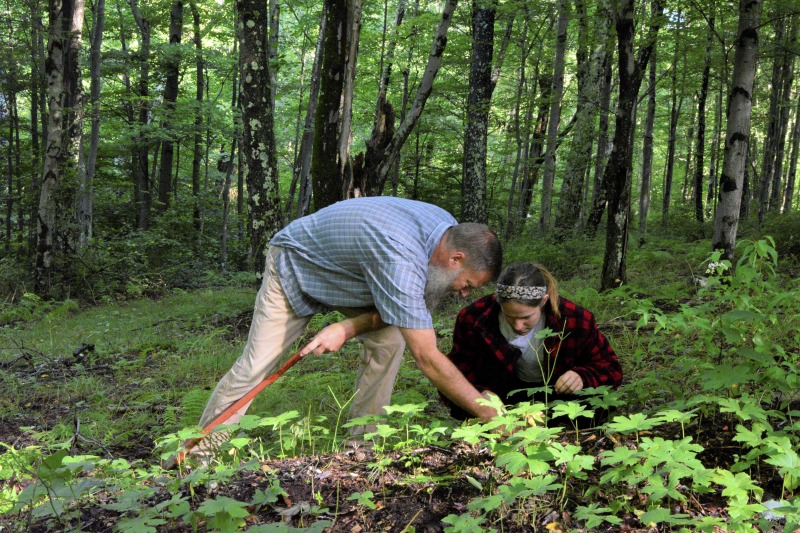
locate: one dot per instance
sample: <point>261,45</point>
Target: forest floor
<point>361,490</point>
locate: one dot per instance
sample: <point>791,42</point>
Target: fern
<point>192,404</point>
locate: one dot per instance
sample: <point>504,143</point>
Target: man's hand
<point>330,339</point>
<point>570,382</point>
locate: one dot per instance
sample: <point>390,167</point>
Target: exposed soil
<point>413,488</point>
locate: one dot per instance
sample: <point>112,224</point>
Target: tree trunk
<point>787,77</point>
<point>86,195</point>
<point>141,187</point>
<point>578,159</point>
<point>555,114</point>
<point>197,152</point>
<point>392,151</point>
<point>647,150</point>
<point>348,90</point>
<point>603,147</point>
<point>261,162</point>
<point>302,164</point>
<point>711,195</point>
<point>675,113</point>
<point>699,153</point>
<point>325,170</point>
<point>737,136</point>
<point>55,231</point>
<point>172,68</point>
<point>792,172</point>
<point>473,184</point>
<point>618,170</point>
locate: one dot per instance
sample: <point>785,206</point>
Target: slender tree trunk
<point>647,150</point>
<point>325,166</point>
<point>6,112</point>
<point>787,77</point>
<point>726,218</point>
<point>86,195</point>
<point>274,33</point>
<point>603,147</point>
<point>261,162</point>
<point>392,150</point>
<point>711,195</point>
<point>172,67</point>
<point>675,113</point>
<point>555,114</point>
<point>38,115</point>
<point>699,152</point>
<point>687,184</point>
<point>473,183</point>
<point>142,196</point>
<point>65,97</point>
<point>570,205</point>
<point>520,135</point>
<point>618,170</point>
<point>348,91</point>
<point>792,172</point>
<point>197,152</point>
<point>302,165</point>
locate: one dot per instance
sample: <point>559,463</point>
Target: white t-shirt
<point>530,364</point>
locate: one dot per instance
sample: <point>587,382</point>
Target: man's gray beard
<point>438,286</point>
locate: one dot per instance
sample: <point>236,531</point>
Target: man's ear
<point>456,259</point>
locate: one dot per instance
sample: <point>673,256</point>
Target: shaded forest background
<point>148,144</point>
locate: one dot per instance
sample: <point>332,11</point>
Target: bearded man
<point>383,262</point>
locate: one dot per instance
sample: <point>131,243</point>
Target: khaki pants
<point>274,329</point>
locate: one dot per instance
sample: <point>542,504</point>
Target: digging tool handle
<point>238,404</point>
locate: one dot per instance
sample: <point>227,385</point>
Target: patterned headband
<point>515,292</point>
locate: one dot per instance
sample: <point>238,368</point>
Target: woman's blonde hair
<point>530,275</point>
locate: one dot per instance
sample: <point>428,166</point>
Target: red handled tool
<point>223,417</point>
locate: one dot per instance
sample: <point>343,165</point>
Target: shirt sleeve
<point>398,289</point>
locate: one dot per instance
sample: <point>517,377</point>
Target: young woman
<point>496,346</point>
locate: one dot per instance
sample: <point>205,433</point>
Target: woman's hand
<point>570,382</point>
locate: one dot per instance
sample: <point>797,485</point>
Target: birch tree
<point>737,135</point>
<point>56,216</point>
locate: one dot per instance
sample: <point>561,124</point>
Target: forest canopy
<point>159,138</point>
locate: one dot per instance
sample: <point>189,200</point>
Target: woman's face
<point>522,318</point>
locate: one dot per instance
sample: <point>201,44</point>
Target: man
<point>384,262</point>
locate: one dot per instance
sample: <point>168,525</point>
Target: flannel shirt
<point>488,361</point>
<point>362,253</point>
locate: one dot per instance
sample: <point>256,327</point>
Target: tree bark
<point>737,136</point>
<point>675,113</point>
<point>142,197</point>
<point>348,91</point>
<point>86,195</point>
<point>197,152</point>
<point>55,233</point>
<point>555,114</point>
<point>473,183</point>
<point>618,170</point>
<point>392,151</point>
<point>699,152</point>
<point>647,150</point>
<point>578,159</point>
<point>172,68</point>
<point>325,168</point>
<point>261,162</point>
<point>302,164</point>
<point>792,172</point>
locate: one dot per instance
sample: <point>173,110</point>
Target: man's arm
<point>332,338</point>
<point>443,373</point>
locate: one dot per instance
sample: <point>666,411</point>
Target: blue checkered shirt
<point>364,252</point>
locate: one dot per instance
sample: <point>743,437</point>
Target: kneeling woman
<point>496,346</point>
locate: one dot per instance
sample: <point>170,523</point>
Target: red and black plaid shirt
<point>488,361</point>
